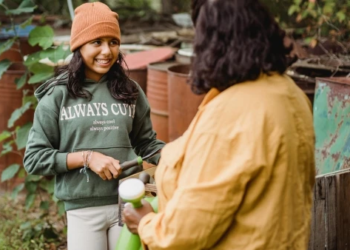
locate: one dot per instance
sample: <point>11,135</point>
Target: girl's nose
<point>105,49</point>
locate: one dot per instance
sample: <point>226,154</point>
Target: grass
<point>33,229</point>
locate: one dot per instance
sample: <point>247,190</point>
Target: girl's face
<point>98,56</point>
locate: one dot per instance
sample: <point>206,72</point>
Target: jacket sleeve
<point>42,156</point>
<point>143,137</point>
<point>214,175</point>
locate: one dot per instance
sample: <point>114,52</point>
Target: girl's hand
<point>132,216</point>
<point>105,166</point>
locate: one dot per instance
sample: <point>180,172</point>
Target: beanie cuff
<point>97,30</point>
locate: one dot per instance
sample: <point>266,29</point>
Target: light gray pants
<point>93,228</point>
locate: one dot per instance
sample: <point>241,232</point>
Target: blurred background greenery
<point>304,18</point>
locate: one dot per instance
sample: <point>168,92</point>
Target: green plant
<point>134,9</point>
<point>25,229</point>
<point>37,70</point>
<point>321,18</point>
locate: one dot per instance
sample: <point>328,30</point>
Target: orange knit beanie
<point>91,21</point>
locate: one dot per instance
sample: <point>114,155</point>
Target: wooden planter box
<point>330,228</point>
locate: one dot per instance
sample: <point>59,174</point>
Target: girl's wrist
<point>75,160</point>
<point>86,156</point>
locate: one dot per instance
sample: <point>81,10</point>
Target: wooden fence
<point>330,226</point>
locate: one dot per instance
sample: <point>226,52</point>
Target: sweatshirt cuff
<point>61,163</point>
<point>142,228</point>
<point>155,159</point>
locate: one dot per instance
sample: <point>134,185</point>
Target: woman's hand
<point>132,216</point>
<point>105,166</point>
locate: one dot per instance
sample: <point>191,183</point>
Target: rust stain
<point>335,135</point>
<point>333,119</point>
<point>346,163</point>
<point>324,153</point>
<point>336,157</point>
<point>338,92</point>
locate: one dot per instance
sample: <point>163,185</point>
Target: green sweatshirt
<point>63,124</point>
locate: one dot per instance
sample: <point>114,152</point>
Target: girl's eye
<point>114,42</point>
<point>96,42</point>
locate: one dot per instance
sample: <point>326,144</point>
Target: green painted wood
<point>332,124</point>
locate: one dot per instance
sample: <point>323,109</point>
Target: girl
<point>90,118</point>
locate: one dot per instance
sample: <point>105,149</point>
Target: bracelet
<point>86,161</point>
<point>88,158</point>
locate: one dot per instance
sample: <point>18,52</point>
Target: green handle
<point>128,164</point>
<point>135,203</point>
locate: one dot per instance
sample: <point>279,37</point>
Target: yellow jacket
<point>242,175</point>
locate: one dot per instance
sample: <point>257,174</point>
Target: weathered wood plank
<point>320,232</point>
<point>331,212</point>
<point>313,225</point>
<point>343,218</point>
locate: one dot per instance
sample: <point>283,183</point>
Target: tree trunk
<point>167,7</point>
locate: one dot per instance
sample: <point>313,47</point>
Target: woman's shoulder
<point>267,90</point>
<point>268,97</point>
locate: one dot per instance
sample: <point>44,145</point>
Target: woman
<point>89,119</point>
<point>242,175</point>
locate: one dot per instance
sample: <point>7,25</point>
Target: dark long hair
<point>119,84</point>
<point>235,41</point>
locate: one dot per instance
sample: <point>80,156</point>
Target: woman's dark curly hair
<point>119,84</point>
<point>235,41</point>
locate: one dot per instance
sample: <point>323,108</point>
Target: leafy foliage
<point>10,172</point>
<point>324,17</point>
<point>36,228</point>
<point>42,36</point>
<point>4,65</point>
<point>38,68</point>
<point>313,19</point>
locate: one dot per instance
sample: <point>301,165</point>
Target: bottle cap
<point>131,189</point>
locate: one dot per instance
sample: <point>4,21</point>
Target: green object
<point>130,241</point>
<point>154,203</point>
<point>132,191</point>
<point>128,164</point>
<point>332,123</point>
<point>135,203</point>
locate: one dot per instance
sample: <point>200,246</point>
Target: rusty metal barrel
<point>183,103</point>
<point>139,76</point>
<point>157,94</point>
<point>10,100</point>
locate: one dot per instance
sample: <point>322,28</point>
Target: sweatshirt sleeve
<point>42,156</point>
<point>215,173</point>
<point>143,137</point>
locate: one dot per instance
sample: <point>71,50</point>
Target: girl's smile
<point>99,55</point>
<point>103,62</point>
